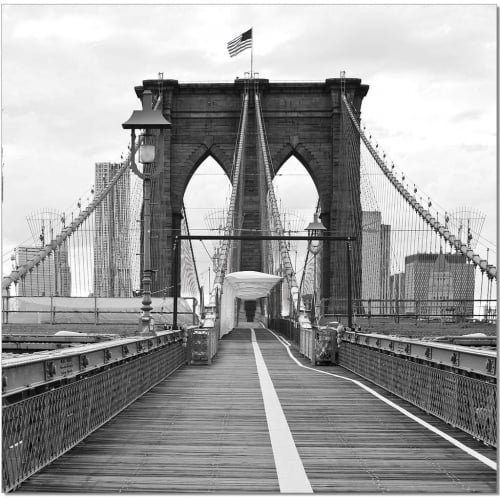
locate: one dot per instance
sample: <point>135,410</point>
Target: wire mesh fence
<point>37,430</point>
<point>467,403</point>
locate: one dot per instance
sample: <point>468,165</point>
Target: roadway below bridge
<point>260,419</point>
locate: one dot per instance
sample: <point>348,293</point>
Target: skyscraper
<point>439,284</point>
<point>375,261</point>
<point>397,293</point>
<point>112,261</point>
<point>52,277</point>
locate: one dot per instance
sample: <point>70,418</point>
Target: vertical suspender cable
<point>276,219</point>
<point>84,258</point>
<point>229,227</point>
<point>420,210</point>
<point>65,233</point>
<point>191,249</point>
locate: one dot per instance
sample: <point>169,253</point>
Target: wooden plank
<point>351,442</point>
<point>204,430</point>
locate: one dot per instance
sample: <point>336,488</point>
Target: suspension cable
<point>191,257</point>
<point>276,219</point>
<point>427,217</point>
<point>48,249</point>
<point>226,249</point>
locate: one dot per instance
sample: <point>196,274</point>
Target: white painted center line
<point>291,474</point>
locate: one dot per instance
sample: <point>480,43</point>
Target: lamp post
<point>314,230</point>
<point>349,286</point>
<point>147,119</point>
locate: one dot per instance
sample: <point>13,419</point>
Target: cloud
<point>389,39</point>
<point>467,115</point>
<point>67,28</point>
<point>69,73</point>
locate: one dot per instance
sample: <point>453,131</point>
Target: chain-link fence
<point>467,403</point>
<point>39,429</point>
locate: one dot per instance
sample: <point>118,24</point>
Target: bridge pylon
<point>301,119</point>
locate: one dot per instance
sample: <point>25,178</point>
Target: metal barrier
<point>91,310</point>
<point>317,345</point>
<point>306,343</point>
<point>441,310</point>
<point>467,402</point>
<point>40,428</point>
<point>461,359</point>
<point>455,383</point>
<point>289,329</point>
<point>203,343</point>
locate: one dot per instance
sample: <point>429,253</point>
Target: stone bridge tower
<point>302,119</point>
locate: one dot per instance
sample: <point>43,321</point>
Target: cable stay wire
<point>432,222</point>
<point>226,248</point>
<point>275,220</point>
<point>77,224</point>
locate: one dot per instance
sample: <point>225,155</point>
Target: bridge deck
<point>205,430</point>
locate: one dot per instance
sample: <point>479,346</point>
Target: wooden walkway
<point>205,430</point>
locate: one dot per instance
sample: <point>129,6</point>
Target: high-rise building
<point>112,261</point>
<point>439,285</point>
<point>52,277</point>
<point>397,293</point>
<point>489,313</point>
<point>375,262</point>
<point>63,270</point>
<point>385,266</point>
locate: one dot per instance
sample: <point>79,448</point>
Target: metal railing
<point>39,429</point>
<point>469,404</point>
<point>455,383</point>
<point>443,310</point>
<point>288,328</point>
<point>89,310</point>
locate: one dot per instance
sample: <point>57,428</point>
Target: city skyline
<point>435,120</point>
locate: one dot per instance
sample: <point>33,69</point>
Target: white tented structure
<point>245,285</point>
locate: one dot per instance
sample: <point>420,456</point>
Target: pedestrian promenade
<point>261,419</point>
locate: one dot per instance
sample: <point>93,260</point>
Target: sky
<point>69,71</point>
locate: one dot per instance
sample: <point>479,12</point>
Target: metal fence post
<point>5,301</point>
<point>176,280</point>
<point>313,346</point>
<point>52,311</point>
<point>349,286</point>
<point>96,314</point>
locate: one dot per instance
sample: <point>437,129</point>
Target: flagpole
<point>251,62</point>
<point>251,59</point>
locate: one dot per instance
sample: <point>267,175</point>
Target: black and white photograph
<point>249,249</point>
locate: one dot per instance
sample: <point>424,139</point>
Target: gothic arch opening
<point>205,200</point>
<point>297,196</point>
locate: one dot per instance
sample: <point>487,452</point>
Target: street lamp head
<point>147,148</point>
<point>147,118</point>
<point>314,230</point>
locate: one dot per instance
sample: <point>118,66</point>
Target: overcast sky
<point>69,71</point>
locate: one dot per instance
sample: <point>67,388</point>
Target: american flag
<point>240,43</point>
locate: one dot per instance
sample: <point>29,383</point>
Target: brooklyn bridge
<point>354,352</point>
